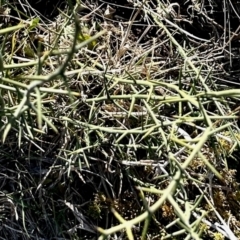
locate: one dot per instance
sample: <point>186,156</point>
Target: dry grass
<point>120,122</point>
